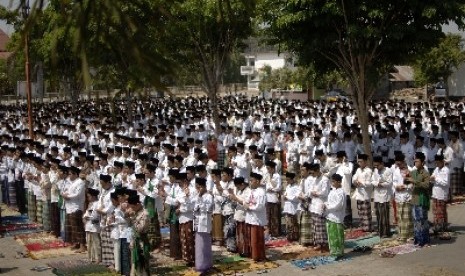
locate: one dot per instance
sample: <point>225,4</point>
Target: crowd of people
<point>107,184</point>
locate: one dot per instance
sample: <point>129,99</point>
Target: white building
<point>257,57</point>
<point>456,82</point>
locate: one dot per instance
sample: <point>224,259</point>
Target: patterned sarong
<point>108,257</point>
<point>217,228</point>
<point>274,218</point>
<point>229,231</point>
<point>306,228</point>
<point>364,212</point>
<point>382,217</point>
<point>320,236</point>
<point>46,215</point>
<point>292,228</point>
<point>187,242</point>
<point>404,218</point>
<point>420,225</point>
<point>440,215</point>
<point>242,239</point>
<point>335,238</point>
<point>456,181</point>
<point>55,219</point>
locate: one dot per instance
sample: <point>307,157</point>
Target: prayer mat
<point>7,211</point>
<point>401,249</point>
<point>317,261</point>
<point>79,268</point>
<point>356,234</point>
<point>44,246</point>
<point>233,268</point>
<point>277,243</point>
<point>15,225</point>
<point>365,242</point>
<point>388,243</point>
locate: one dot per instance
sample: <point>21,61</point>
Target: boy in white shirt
<point>291,203</point>
<point>91,219</point>
<point>441,184</point>
<point>335,212</point>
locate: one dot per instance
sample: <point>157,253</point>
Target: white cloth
<point>364,191</point>
<point>441,183</point>
<point>382,183</point>
<point>273,188</point>
<point>336,205</point>
<point>256,211</point>
<point>240,212</point>
<point>291,199</point>
<point>76,191</point>
<point>202,211</point>
<point>320,185</point>
<point>92,218</point>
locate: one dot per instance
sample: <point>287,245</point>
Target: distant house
<point>258,56</point>
<point>4,39</point>
<point>399,77</point>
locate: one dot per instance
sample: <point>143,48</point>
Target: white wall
<point>272,59</point>
<point>456,82</point>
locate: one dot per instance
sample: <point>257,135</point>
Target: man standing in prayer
<point>363,191</point>
<point>335,211</point>
<point>440,180</point>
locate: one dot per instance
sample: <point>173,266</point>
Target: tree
<point>205,34</point>
<point>441,61</point>
<point>362,39</point>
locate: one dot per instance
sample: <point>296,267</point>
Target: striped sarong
<point>12,195</point>
<point>175,241</point>
<point>108,257</point>
<point>404,219</point>
<point>335,238</point>
<point>320,236</point>
<point>456,182</point>
<point>292,228</point>
<point>39,211</point>
<point>383,217</point>
<point>221,158</point>
<point>306,228</point>
<point>440,215</point>
<point>31,207</point>
<point>46,215</point>
<point>420,225</point>
<point>274,218</point>
<point>364,212</point>
<point>125,258</point>
<point>75,228</point>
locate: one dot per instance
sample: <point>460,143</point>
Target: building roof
<point>401,73</point>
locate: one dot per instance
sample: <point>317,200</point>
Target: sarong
<point>46,215</point>
<point>217,229</point>
<point>125,258</point>
<point>229,231</point>
<point>175,241</point>
<point>420,225</point>
<point>382,217</point>
<point>348,213</point>
<point>440,215</point>
<point>21,196</point>
<point>12,195</point>
<point>154,234</point>
<point>405,224</point>
<point>221,157</point>
<point>187,242</point>
<point>39,209</point>
<point>292,228</point>
<point>242,239</point>
<point>274,218</point>
<point>364,212</point>
<point>4,190</point>
<point>93,247</point>
<point>335,238</point>
<point>75,228</point>
<point>140,255</point>
<point>320,235</point>
<point>203,252</point>
<point>31,207</point>
<point>55,219</point>
<point>306,228</point>
<point>107,247</point>
<point>257,242</point>
<point>456,181</point>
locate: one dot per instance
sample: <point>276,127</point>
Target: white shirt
<point>345,170</point>
<point>336,205</point>
<point>363,192</point>
<point>321,186</point>
<point>202,211</point>
<point>256,211</point>
<point>240,213</point>
<point>441,183</point>
<point>398,181</point>
<point>382,183</point>
<point>76,191</point>
<point>273,188</point>
<point>92,218</point>
<point>186,207</point>
<point>291,199</point>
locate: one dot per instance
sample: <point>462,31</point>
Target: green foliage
<point>7,84</point>
<point>441,61</point>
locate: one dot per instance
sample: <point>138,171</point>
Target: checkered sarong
<point>74,228</point>
<point>404,219</point>
<point>31,207</point>
<point>456,181</point>
<point>274,218</point>
<point>108,257</point>
<point>364,212</point>
<point>46,215</point>
<point>320,235</point>
<point>306,228</point>
<point>292,228</point>
<point>39,207</point>
<point>221,158</point>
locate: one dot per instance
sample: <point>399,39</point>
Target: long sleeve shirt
<point>202,212</point>
<point>273,188</point>
<point>291,199</point>
<point>335,205</point>
<point>382,183</point>
<point>364,190</point>
<point>319,190</point>
<point>76,192</point>
<point>441,183</point>
<point>256,211</point>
